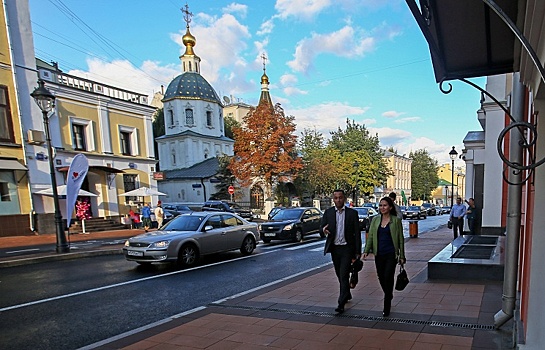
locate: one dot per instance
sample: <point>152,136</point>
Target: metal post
<point>62,245</point>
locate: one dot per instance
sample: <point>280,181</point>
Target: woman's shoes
<point>387,307</point>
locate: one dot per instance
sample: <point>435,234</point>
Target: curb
<point>59,257</point>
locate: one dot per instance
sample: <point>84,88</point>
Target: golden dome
<point>189,41</point>
<point>264,79</point>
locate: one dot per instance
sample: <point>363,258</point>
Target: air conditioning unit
<point>98,88</point>
<point>36,137</point>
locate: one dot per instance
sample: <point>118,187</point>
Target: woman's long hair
<point>390,202</point>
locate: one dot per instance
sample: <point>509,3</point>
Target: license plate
<point>270,234</point>
<point>134,253</point>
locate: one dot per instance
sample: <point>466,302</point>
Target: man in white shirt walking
<point>159,214</point>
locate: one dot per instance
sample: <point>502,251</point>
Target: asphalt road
<point>72,303</point>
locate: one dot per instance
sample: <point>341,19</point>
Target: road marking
<point>22,251</point>
<point>115,285</point>
<point>305,245</point>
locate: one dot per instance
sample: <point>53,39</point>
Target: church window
<point>189,116</point>
<point>125,140</point>
<point>189,66</point>
<point>209,119</point>
<point>171,117</point>
<point>173,157</point>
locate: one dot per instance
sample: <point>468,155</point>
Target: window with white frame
<point>209,119</point>
<point>170,116</point>
<point>189,120</point>
<point>128,140</point>
<point>82,134</point>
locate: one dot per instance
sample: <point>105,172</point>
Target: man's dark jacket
<point>352,232</point>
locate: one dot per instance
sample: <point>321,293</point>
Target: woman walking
<point>386,242</point>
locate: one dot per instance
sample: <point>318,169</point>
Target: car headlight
<point>160,244</point>
<point>288,227</point>
<point>127,243</point>
<point>259,227</point>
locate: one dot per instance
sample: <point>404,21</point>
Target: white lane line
<point>305,245</point>
<point>321,249</point>
<point>140,329</point>
<point>36,302</point>
<point>275,246</point>
<point>22,251</point>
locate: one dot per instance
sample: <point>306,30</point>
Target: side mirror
<point>208,228</point>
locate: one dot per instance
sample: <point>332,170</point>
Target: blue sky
<point>328,60</point>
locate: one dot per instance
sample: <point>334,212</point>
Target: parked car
<point>169,215</point>
<point>445,210</point>
<point>430,209</point>
<point>188,237</point>
<point>370,205</point>
<point>366,215</point>
<point>228,207</point>
<point>292,224</point>
<point>415,212</point>
<point>179,208</point>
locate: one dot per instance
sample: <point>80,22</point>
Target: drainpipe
<point>203,188</point>
<point>514,195</point>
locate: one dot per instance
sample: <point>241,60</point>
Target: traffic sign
<point>231,190</point>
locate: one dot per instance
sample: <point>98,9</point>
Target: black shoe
<point>387,306</point>
<point>340,309</point>
<point>385,313</point>
<point>349,297</point>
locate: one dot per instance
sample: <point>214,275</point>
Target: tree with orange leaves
<point>265,147</point>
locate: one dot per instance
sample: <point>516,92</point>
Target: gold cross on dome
<point>264,58</point>
<point>187,14</point>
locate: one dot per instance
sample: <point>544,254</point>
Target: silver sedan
<point>190,236</point>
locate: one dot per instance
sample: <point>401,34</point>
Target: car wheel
<point>298,236</point>
<point>188,255</point>
<point>248,246</point>
<point>266,240</point>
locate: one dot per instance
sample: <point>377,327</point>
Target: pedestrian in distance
<point>146,217</point>
<point>393,197</point>
<point>340,224</point>
<point>457,213</point>
<point>387,243</point>
<point>471,215</point>
<point>159,214</point>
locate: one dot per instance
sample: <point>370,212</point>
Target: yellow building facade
<point>400,181</point>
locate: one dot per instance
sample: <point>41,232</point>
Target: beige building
<point>443,193</point>
<point>400,181</point>
<point>14,195</point>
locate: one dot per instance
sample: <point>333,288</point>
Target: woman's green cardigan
<point>396,230</point>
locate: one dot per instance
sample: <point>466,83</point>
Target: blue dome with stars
<point>191,85</point>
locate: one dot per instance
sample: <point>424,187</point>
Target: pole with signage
<point>231,190</point>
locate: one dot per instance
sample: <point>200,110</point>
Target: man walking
<point>471,215</point>
<point>457,213</point>
<point>340,224</point>
<point>146,217</point>
<point>393,196</point>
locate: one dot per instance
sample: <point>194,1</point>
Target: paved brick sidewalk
<point>298,314</point>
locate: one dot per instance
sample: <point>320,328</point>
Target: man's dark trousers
<point>342,255</point>
<point>457,225</point>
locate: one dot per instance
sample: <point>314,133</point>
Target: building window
<point>189,116</point>
<point>125,143</point>
<point>209,119</point>
<point>170,117</point>
<point>78,137</point>
<point>4,192</point>
<point>129,184</point>
<point>6,127</point>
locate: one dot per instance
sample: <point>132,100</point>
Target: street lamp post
<point>452,154</point>
<point>45,100</point>
<point>356,165</point>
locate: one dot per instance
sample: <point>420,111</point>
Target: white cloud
<point>300,9</point>
<point>236,8</point>
<point>346,42</point>
<point>290,91</point>
<point>438,151</point>
<point>266,27</point>
<point>326,117</point>
<point>123,74</point>
<point>408,120</point>
<point>288,79</point>
<point>389,136</point>
<point>391,114</point>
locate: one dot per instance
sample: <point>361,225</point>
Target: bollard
<point>413,229</point>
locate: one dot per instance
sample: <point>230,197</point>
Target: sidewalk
<point>299,314</point>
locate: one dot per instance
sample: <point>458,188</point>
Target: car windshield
<point>288,214</point>
<point>184,223</point>
<point>362,211</point>
<point>414,208</point>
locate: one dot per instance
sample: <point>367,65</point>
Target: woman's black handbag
<point>449,224</point>
<point>402,279</point>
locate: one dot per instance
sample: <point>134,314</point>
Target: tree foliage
<point>158,123</point>
<point>226,178</point>
<point>230,123</point>
<point>424,176</point>
<point>265,146</point>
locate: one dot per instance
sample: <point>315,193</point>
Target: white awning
<point>11,164</point>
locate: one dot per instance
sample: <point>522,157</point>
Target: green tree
<point>230,123</point>
<point>423,174</point>
<point>226,178</point>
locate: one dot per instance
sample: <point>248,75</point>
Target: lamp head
<point>453,154</point>
<point>43,97</point>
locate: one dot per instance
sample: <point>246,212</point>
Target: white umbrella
<point>142,192</point>
<point>61,191</point>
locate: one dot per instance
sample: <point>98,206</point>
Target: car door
<point>212,240</point>
<point>316,218</point>
<point>234,232</point>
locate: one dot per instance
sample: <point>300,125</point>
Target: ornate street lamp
<point>356,165</point>
<point>452,154</point>
<point>45,100</point>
